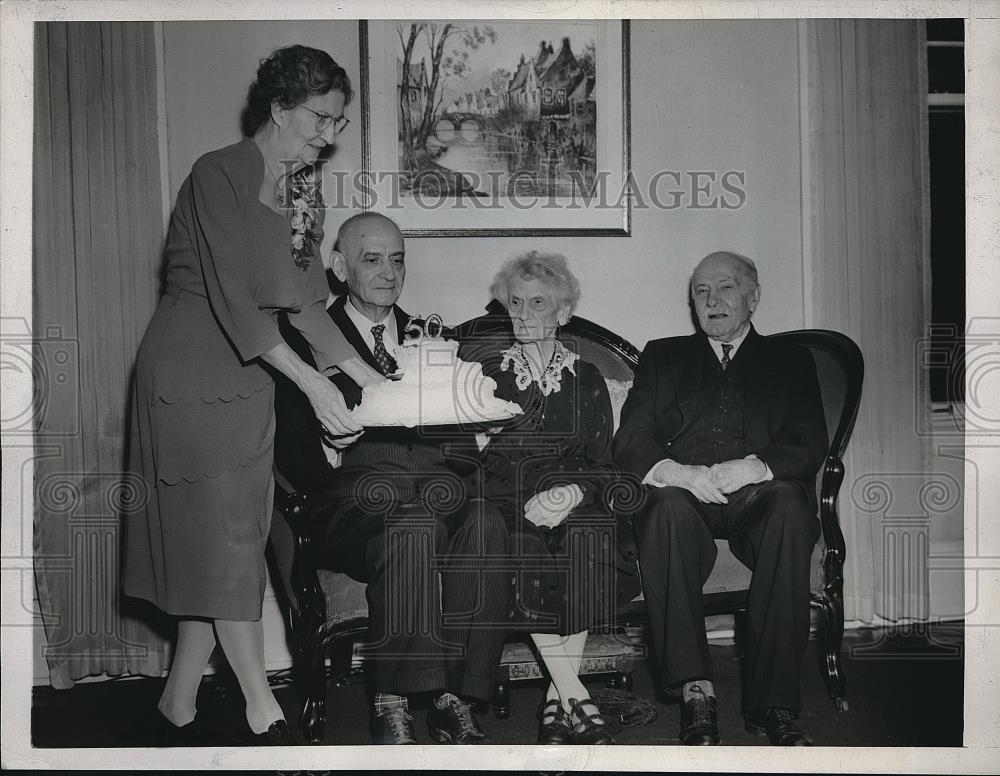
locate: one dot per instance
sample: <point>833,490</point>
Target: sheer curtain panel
<point>98,239</point>
<point>866,246</point>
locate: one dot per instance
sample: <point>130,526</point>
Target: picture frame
<point>506,132</point>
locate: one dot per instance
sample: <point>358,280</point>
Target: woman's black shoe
<point>589,728</point>
<point>277,734</point>
<point>166,733</point>
<point>554,725</point>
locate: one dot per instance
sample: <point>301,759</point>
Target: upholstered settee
<point>328,610</point>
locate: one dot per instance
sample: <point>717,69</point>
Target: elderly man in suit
<point>392,512</point>
<point>726,429</point>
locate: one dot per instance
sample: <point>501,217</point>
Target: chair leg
<point>740,628</point>
<point>501,698</point>
<point>831,637</point>
<point>622,680</point>
<point>625,681</point>
<point>313,717</point>
<point>307,623</point>
<point>341,655</point>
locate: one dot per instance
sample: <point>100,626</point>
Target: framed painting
<point>497,127</point>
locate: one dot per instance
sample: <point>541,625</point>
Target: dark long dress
<point>566,578</point>
<point>203,404</point>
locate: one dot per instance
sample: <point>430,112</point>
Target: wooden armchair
<point>840,371</point>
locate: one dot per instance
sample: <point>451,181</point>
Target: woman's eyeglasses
<point>324,120</point>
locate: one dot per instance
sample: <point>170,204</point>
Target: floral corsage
<point>305,199</point>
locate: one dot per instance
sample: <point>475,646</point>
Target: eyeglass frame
<point>323,118</point>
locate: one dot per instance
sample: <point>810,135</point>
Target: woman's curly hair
<point>551,268</point>
<point>290,75</point>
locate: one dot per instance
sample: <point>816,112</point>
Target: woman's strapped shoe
<point>778,725</point>
<point>588,726</point>
<point>554,725</point>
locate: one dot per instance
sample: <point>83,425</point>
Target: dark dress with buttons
<point>566,578</point>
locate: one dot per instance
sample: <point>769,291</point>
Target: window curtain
<point>98,239</point>
<point>867,262</point>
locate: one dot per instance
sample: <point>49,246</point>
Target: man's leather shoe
<point>699,720</point>
<point>455,723</point>
<point>778,725</point>
<point>554,725</point>
<point>393,725</point>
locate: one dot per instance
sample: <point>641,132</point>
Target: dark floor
<point>904,690</point>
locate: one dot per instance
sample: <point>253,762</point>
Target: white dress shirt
<point>363,324</point>
<point>717,345</point>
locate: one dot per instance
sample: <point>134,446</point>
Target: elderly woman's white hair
<point>551,268</point>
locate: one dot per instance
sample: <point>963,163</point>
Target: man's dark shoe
<point>392,725</point>
<point>778,725</point>
<point>699,719</point>
<point>554,726</point>
<point>455,723</point>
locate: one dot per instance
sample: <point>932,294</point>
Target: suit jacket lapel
<point>758,373</point>
<point>351,333</point>
<point>402,319</point>
<point>686,370</point>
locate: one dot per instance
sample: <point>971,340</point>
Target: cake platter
<point>428,419</point>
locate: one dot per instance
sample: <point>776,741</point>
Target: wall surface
<point>706,97</point>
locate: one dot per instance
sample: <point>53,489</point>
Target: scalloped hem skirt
<point>202,440</point>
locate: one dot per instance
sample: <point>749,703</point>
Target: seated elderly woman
<point>547,471</point>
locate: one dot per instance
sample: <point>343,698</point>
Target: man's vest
<point>716,433</point>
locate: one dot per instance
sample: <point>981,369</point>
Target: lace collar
<point>550,380</point>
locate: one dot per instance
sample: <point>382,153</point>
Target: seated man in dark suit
<point>394,513</point>
<point>726,429</point>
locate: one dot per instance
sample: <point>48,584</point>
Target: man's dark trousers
<point>772,528</point>
<point>433,561</point>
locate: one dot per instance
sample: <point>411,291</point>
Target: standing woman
<point>547,471</point>
<point>243,244</point>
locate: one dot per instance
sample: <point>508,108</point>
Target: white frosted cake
<point>437,388</point>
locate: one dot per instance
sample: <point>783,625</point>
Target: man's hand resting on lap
<point>693,478</point>
<point>730,476</point>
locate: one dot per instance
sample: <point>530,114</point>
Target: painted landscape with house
<point>501,109</point>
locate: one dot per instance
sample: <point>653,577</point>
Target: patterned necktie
<point>386,363</point>
<point>726,347</point>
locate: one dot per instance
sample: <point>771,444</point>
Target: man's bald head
<point>352,232</point>
<point>737,262</point>
<point>369,258</point>
<point>725,293</point>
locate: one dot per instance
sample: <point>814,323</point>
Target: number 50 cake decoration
<point>436,387</point>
